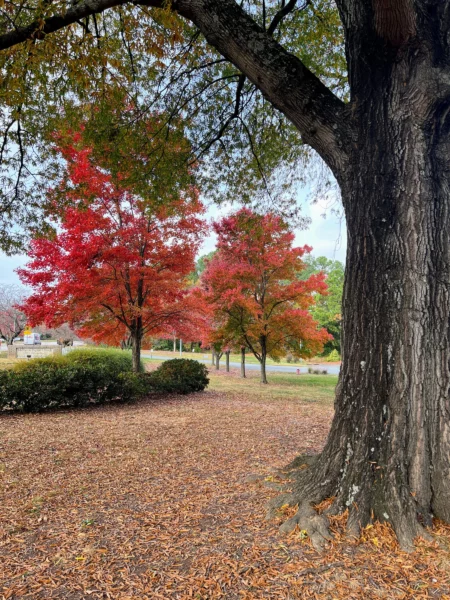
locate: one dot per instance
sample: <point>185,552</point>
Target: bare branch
<point>234,115</point>
<point>281,14</point>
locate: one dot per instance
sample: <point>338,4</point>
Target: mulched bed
<point>153,501</point>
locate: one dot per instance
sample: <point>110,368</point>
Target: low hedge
<point>84,377</point>
<point>117,360</point>
<point>77,379</point>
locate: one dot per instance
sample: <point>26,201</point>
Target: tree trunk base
<point>374,503</point>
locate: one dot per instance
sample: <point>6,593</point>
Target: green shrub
<point>85,377</point>
<point>80,378</point>
<point>317,371</point>
<point>178,376</point>
<point>334,356</point>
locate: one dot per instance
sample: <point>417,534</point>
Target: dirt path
<point>151,501</point>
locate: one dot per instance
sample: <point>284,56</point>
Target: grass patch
<point>302,388</point>
<point>281,386</point>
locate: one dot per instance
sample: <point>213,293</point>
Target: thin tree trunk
<point>263,369</point>
<point>243,361</point>
<point>227,360</point>
<point>174,344</point>
<point>213,358</point>
<point>218,355</point>
<point>263,362</point>
<point>136,341</point>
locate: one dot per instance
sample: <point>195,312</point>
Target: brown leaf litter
<point>153,501</point>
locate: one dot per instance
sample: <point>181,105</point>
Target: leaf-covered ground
<point>154,500</point>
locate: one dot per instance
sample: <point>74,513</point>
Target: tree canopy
<point>12,319</point>
<point>116,268</point>
<point>327,309</point>
<point>253,287</point>
<point>110,69</point>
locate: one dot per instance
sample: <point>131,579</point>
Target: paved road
<point>331,369</point>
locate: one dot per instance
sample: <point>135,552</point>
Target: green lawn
<point>288,386</point>
<point>249,358</point>
<point>281,386</point>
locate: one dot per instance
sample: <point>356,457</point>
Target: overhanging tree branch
<point>41,27</point>
<point>322,119</point>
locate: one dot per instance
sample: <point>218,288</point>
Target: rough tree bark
<point>388,451</point>
<point>227,360</point>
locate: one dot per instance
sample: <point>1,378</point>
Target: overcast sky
<point>326,235</point>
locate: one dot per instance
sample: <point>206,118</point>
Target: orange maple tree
<point>118,266</point>
<point>252,288</point>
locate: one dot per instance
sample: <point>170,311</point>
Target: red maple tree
<point>253,288</point>
<point>118,266</point>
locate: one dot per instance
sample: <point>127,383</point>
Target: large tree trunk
<point>227,360</point>
<point>388,453</point>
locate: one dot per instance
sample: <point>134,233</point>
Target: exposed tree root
<point>309,520</point>
<point>276,503</point>
<point>365,501</point>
